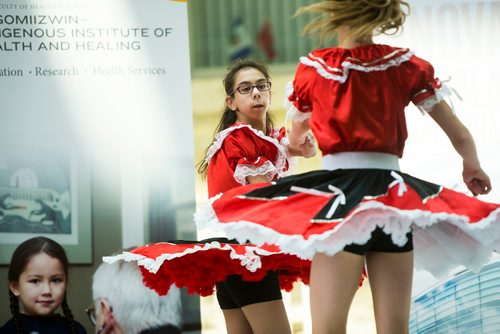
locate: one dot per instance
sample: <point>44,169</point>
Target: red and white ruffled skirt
<point>323,211</point>
<point>199,265</point>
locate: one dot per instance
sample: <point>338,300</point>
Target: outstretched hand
<point>306,148</point>
<point>476,180</point>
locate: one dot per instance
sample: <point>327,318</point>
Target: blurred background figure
<point>241,43</point>
<point>265,39</point>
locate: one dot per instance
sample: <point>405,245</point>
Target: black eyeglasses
<point>91,313</point>
<point>247,89</point>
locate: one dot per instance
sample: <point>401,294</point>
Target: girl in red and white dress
<point>361,209</point>
<point>246,150</point>
<point>248,279</point>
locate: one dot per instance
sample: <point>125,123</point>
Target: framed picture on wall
<point>44,191</point>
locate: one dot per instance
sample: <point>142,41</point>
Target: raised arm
<point>475,178</point>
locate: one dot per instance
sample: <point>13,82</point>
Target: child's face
<point>41,285</point>
<point>253,106</point>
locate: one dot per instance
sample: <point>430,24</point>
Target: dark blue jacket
<point>55,324</point>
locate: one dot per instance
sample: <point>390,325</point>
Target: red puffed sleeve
<point>426,90</point>
<point>241,151</point>
<point>298,94</point>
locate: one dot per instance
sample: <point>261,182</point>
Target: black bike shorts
<point>380,242</point>
<point>236,293</point>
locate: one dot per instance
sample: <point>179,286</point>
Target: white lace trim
<point>457,242</point>
<point>242,171</point>
<point>281,156</point>
<point>319,64</point>
<point>250,260</point>
<point>284,141</point>
<point>288,92</point>
<point>382,67</point>
<point>292,113</point>
<point>204,214</point>
<point>292,162</point>
<point>342,73</point>
<point>440,94</point>
<point>295,114</point>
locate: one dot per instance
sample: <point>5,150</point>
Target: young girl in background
<point>361,209</point>
<point>38,278</point>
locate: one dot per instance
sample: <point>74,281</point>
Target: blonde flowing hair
<point>364,18</point>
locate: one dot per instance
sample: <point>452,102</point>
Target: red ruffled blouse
<point>240,151</point>
<point>356,97</point>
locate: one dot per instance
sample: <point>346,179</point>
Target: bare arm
<point>302,142</point>
<point>475,178</point>
<point>256,179</point>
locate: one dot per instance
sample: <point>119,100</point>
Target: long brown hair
<point>22,255</point>
<point>363,17</point>
<point>228,117</point>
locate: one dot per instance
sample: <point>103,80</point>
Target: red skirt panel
<point>198,265</point>
<point>323,211</point>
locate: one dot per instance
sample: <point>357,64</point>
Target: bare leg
<point>334,281</point>
<point>236,322</point>
<point>268,317</point>
<point>390,276</point>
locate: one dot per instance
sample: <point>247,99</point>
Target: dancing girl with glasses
<point>247,149</point>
